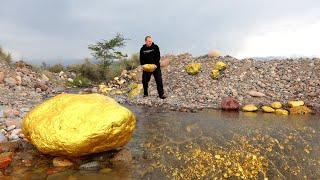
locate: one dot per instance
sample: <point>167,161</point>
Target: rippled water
<point>211,143</point>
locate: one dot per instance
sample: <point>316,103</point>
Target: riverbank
<point>273,80</point>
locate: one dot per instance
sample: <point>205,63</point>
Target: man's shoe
<point>163,97</point>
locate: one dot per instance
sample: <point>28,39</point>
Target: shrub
<point>56,68</point>
<point>79,81</point>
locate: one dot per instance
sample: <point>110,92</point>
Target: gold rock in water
<point>78,124</point>
<point>267,109</point>
<point>276,105</point>
<point>250,108</point>
<point>281,112</point>
<point>295,103</point>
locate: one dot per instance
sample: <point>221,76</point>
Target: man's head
<point>148,40</point>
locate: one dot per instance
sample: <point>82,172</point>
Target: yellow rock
<point>135,91</point>
<point>276,105</point>
<point>267,109</point>
<point>104,89</point>
<point>193,68</point>
<point>300,110</point>
<point>149,67</point>
<point>282,112</point>
<point>220,65</point>
<point>215,73</point>
<point>78,124</point>
<point>61,162</point>
<point>250,108</point>
<point>295,103</point>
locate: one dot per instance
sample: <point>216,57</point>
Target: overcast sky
<point>43,30</point>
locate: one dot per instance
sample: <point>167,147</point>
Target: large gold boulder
<point>249,108</point>
<point>78,124</point>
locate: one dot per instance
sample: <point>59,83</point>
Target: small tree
<point>107,50</point>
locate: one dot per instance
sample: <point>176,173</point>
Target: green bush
<point>56,68</point>
<point>132,62</point>
<point>79,81</point>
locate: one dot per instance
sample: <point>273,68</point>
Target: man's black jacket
<point>150,55</point>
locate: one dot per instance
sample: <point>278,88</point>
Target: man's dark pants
<point>146,76</point>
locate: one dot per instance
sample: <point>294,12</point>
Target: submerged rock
<point>78,124</point>
<point>300,110</point>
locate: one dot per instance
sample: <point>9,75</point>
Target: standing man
<point>150,54</point>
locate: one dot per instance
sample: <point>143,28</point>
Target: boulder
<point>78,124</point>
<point>250,108</point>
<point>276,105</point>
<point>229,103</point>
<point>300,110</point>
<point>267,109</point>
<point>193,68</point>
<point>295,103</point>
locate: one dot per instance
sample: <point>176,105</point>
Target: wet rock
<point>250,108</point>
<point>229,103</point>
<point>300,110</point>
<point>61,162</point>
<point>276,105</point>
<point>5,159</point>
<point>91,166</point>
<point>267,109</point>
<point>295,103</point>
<point>281,112</point>
<point>123,157</point>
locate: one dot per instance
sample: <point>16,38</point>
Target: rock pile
<point>249,81</point>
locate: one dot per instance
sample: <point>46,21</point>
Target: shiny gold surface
<point>78,124</point>
<point>215,73</point>
<point>250,108</point>
<point>193,68</point>
<point>267,109</point>
<point>276,105</point>
<point>149,67</point>
<point>282,112</point>
<point>295,103</point>
<point>220,65</point>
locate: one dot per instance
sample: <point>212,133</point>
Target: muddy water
<point>206,145</point>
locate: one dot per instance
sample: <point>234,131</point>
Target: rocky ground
<point>247,80</point>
